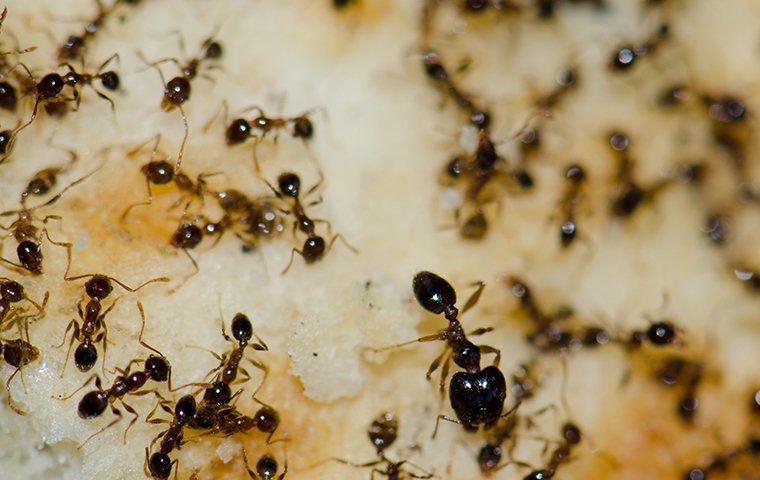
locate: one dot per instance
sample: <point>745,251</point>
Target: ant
<point>576,178</point>
<point>624,57</point>
<point>17,353</point>
<point>241,130</point>
<point>94,403</point>
<point>659,334</point>
<point>435,70</point>
<point>476,395</point>
<point>74,45</point>
<point>266,468</point>
<point>722,461</point>
<point>13,292</point>
<point>242,331</point>
<point>630,195</point>
<point>677,370</point>
<point>159,465</point>
<point>47,178</point>
<point>93,327</point>
<point>571,436</point>
<point>258,216</point>
<point>490,454</point>
<point>28,235</point>
<point>382,433</point>
<point>314,247</point>
<point>567,79</point>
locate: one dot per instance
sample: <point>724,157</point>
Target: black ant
<point>17,353</point>
<point>74,46</point>
<point>28,235</point>
<point>435,70</point>
<point>630,195</point>
<point>315,247</point>
<point>94,403</point>
<point>159,465</point>
<point>625,57</point>
<point>266,468</point>
<point>571,436</point>
<point>382,433</point>
<point>576,177</point>
<point>93,328</point>
<point>476,395</point>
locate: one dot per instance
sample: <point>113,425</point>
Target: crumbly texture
<point>383,132</point>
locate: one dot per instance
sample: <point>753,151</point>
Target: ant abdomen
<point>433,293</point>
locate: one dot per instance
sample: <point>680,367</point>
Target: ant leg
<point>104,97</point>
<point>139,204</point>
<point>426,338</point>
<point>9,399</point>
<point>98,385</point>
<point>446,418</point>
<point>142,330</point>
<point>473,300</point>
<point>444,375</point>
<point>290,263</point>
<point>345,242</point>
<point>75,325</point>
<point>489,349</point>
<point>114,422</point>
<point>195,272</point>
<point>178,165</point>
<point>131,410</point>
<point>103,65</point>
<point>436,363</point>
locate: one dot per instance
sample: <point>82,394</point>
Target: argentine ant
<point>159,465</point>
<point>314,247</point>
<point>13,292</point>
<point>17,353</point>
<point>571,436</point>
<point>576,178</point>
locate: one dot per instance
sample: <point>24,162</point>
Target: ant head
<point>481,119</point>
<point>92,404</point>
<point>623,59</point>
<point>475,228</point>
<point>575,174</point>
<point>98,287</point>
<point>185,409</point>
<point>6,136</point>
<point>187,236</point>
<point>662,333</point>
<point>85,356</point>
<point>383,431</point>
<point>11,291</point>
<point>267,419</point>
<point>160,465</point>
<point>242,330</point>
<point>158,172</point>
<point>176,93</point>
<point>158,368</point>
<point>30,255</point>
<point>289,184</point>
<point>433,293</point>
<point>489,457</point>
<point>571,434</point>
<point>238,131</point>
<point>110,80</point>
<point>619,141</point>
<point>218,394</point>
<point>468,357</point>
<point>214,50</point>
<point>50,86</point>
<point>303,128</point>
<point>267,466</point>
<point>433,66</point>
<point>314,249</point>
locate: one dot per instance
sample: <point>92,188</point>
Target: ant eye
<point>433,292</point>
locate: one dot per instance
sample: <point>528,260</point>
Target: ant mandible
<point>314,247</point>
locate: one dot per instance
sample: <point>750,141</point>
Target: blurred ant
<point>159,465</point>
<point>93,404</point>
<point>630,195</point>
<point>688,374</point>
<point>625,57</point>
<point>28,235</point>
<point>258,217</point>
<point>74,46</point>
<point>571,436</point>
<point>314,247</point>
<point>44,180</point>
<point>476,395</point>
<point>18,353</point>
<point>383,433</point>
<point>576,178</point>
<point>93,327</point>
<point>266,468</point>
<point>723,460</point>
<point>436,71</point>
<point>567,80</point>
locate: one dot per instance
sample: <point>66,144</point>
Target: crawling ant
<point>93,327</point>
<point>74,45</point>
<point>314,247</point>
<point>94,403</point>
<point>576,177</point>
<point>571,436</point>
<point>266,468</point>
<point>436,71</point>
<point>382,433</point>
<point>44,180</point>
<point>17,353</point>
<point>625,57</point>
<point>13,292</point>
<point>159,465</point>
<point>476,395</point>
<point>28,235</point>
<point>258,217</point>
<point>241,130</point>
<point>242,331</point>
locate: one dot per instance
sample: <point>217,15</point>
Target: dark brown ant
<point>74,46</point>
<point>242,332</point>
<point>28,235</point>
<point>688,374</point>
<point>241,130</point>
<point>625,57</point>
<point>266,468</point>
<point>315,247</point>
<point>93,327</point>
<point>476,395</point>
<point>17,353</point>
<point>382,433</point>
<point>12,292</point>
<point>258,217</point>
<point>576,178</point>
<point>93,404</point>
<point>630,195</point>
<point>571,436</point>
<point>47,178</point>
<point>436,71</point>
<point>159,465</point>
<point>109,80</point>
